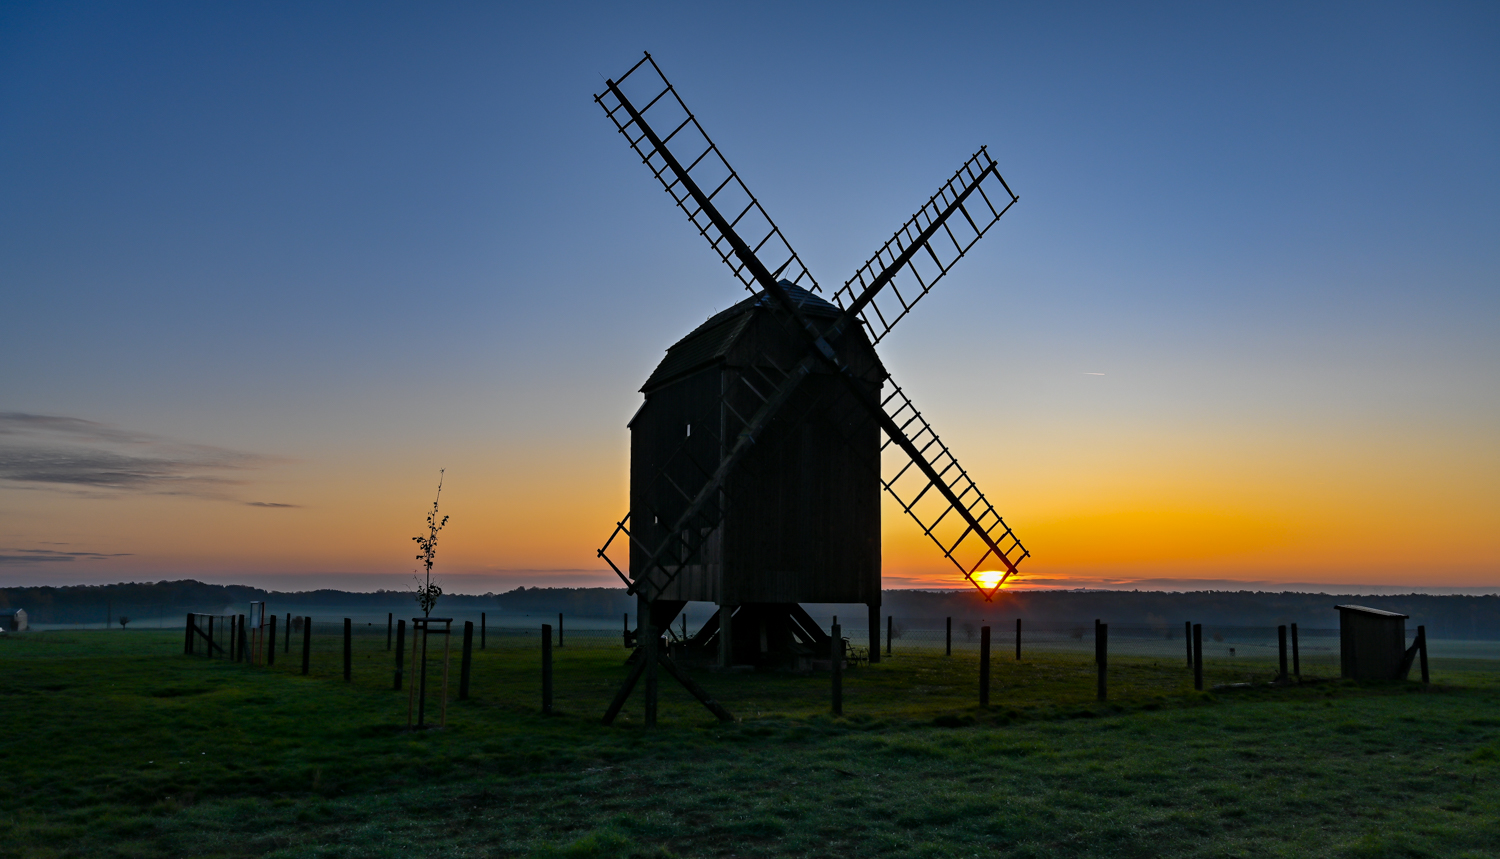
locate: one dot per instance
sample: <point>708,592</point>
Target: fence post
<point>348,649</point>
<point>949,638</point>
<point>1187,638</point>
<point>874,628</point>
<point>463,664</point>
<point>547,669</point>
<point>233,637</point>
<point>1101,656</point>
<point>482,626</point>
<point>1296,661</point>
<point>984,666</point>
<point>1018,639</point>
<point>187,642</point>
<point>306,644</point>
<point>1422,651</point>
<point>210,636</point>
<point>390,624</point>
<point>559,630</point>
<point>400,650</point>
<point>1281,651</point>
<point>1198,656</point>
<point>271,642</point>
<point>287,647</point>
<point>890,626</point>
<point>650,646</point>
<point>836,663</point>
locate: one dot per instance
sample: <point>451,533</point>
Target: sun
<point>987,579</point>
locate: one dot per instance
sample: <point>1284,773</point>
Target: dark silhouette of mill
<point>756,458</point>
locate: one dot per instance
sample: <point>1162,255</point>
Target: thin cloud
<point>43,556</point>
<point>1093,374</point>
<point>18,423</point>
<point>80,456</point>
<point>270,504</point>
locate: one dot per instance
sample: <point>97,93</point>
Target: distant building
<point>13,619</point>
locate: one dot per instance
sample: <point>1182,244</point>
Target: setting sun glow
<point>987,579</point>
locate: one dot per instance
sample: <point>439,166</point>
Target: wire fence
<point>925,666</point>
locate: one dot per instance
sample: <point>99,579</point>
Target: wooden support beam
<point>636,670</point>
<point>694,689</point>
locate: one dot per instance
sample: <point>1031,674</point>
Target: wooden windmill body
<point>801,519</point>
<point>766,436</point>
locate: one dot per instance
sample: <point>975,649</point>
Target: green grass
<point>113,744</point>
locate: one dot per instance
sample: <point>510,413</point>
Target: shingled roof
<point>712,340</point>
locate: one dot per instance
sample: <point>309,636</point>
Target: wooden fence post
<point>1198,656</point>
<point>210,636</point>
<point>1296,660</point>
<point>271,642</point>
<point>348,649</point>
<point>306,644</point>
<point>559,630</point>
<point>627,629</point>
<point>984,666</point>
<point>1422,651</point>
<point>400,651</point>
<point>949,638</point>
<point>1281,651</point>
<point>463,665</point>
<point>233,639</point>
<point>547,669</point>
<point>836,663</point>
<point>187,642</point>
<point>890,627</point>
<point>650,647</point>
<point>1101,656</point>
<point>1187,637</point>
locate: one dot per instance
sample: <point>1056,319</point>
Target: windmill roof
<point>712,340</point>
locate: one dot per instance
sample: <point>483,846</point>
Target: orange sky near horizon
<point>1151,507</point>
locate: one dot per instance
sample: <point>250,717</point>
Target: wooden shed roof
<point>712,340</point>
<point>1359,609</point>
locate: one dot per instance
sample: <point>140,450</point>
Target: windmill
<point>755,472</point>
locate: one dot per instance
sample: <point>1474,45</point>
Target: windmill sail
<point>701,182</point>
<point>923,250</point>
<point>961,520</point>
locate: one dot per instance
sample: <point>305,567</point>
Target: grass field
<point>114,744</point>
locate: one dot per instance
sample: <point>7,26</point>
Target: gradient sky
<point>265,268</point>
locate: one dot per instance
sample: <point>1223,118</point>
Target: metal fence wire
<point>924,663</point>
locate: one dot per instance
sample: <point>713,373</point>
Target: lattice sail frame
<point>912,276</point>
<point>708,167</point>
<point>956,538</point>
<point>899,259</point>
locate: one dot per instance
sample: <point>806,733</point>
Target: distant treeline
<point>1475,617</point>
<point>89,603</point>
<point>1444,616</point>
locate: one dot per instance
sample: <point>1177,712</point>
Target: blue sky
<point>359,242</point>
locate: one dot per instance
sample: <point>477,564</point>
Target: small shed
<point>13,619</point>
<point>1372,643</point>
